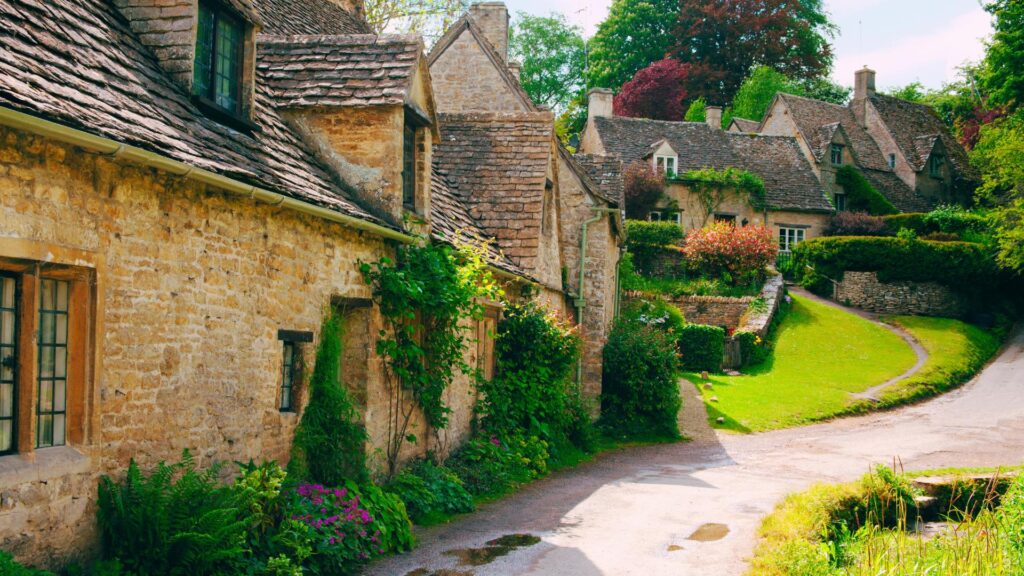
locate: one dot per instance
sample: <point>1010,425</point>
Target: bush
<point>640,395</point>
<point>655,312</point>
<point>941,237</point>
<point>702,347</point>
<point>654,248</point>
<point>911,221</point>
<point>856,224</point>
<point>329,441</point>
<point>536,354</point>
<point>642,188</point>
<point>861,196</point>
<point>952,219</point>
<point>643,233</point>
<point>430,492</point>
<point>491,467</point>
<point>722,250</point>
<point>8,567</point>
<point>177,520</point>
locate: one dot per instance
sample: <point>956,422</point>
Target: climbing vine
<point>711,187</point>
<point>425,297</point>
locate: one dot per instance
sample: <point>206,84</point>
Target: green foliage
<point>389,517</point>
<point>430,492</point>
<point>635,34</point>
<point>1005,78</point>
<point>643,233</point>
<point>642,189</point>
<point>640,395</point>
<point>8,567</point>
<point>702,347</point>
<point>652,249</point>
<point>711,184</point>
<point>913,92</point>
<point>999,156</point>
<point>328,444</point>
<point>953,219</point>
<point>697,112</point>
<point>757,91</point>
<point>176,521</point>
<point>493,466</point>
<point>753,349</point>
<point>655,312</point>
<point>861,196</point>
<point>911,221</point>
<point>552,55</point>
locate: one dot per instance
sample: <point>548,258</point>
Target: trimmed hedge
<point>652,233</point>
<point>861,196</point>
<point>910,221</point>
<point>640,394</point>
<point>702,347</point>
<point>962,266</point>
<point>655,248</point>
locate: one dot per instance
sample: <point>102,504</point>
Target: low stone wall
<point>758,322</point>
<point>863,290</point>
<point>714,310</point>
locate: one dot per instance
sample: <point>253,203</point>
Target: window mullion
<point>27,364</point>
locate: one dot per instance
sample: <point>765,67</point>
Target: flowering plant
<point>343,531</point>
<point>727,251</point>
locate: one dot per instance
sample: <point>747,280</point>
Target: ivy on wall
<point>712,186</point>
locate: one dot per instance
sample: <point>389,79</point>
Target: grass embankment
<point>822,355</point>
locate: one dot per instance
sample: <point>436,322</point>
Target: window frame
<point>790,237</point>
<point>290,339</point>
<point>834,151</point>
<point>935,163</point>
<point>52,341</point>
<point>892,161</point>
<point>665,161</point>
<point>15,381</point>
<point>207,101</point>
<point>839,199</point>
<point>727,218</point>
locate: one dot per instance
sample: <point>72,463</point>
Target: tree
<point>826,90</point>
<point>643,188</point>
<point>697,112</point>
<point>655,92</point>
<point>913,92</point>
<point>430,18</point>
<point>757,91</point>
<point>635,34</point>
<point>1005,78</point>
<point>723,39</point>
<point>999,156</point>
<point>552,55</point>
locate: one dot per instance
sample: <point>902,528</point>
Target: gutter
<point>581,300</point>
<point>133,154</point>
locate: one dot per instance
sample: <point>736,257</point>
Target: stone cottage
<point>186,187</point>
<point>795,206</point>
<point>501,154</point>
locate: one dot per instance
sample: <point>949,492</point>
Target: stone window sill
<point>46,464</point>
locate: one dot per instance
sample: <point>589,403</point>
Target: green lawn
<point>822,354</point>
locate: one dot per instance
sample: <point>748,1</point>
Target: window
<point>665,165</point>
<point>837,154</point>
<point>840,199</point>
<point>892,161</point>
<point>409,166</point>
<point>52,373</point>
<point>665,216</point>
<point>789,238</point>
<point>288,376</point>
<point>217,77</point>
<point>8,364</point>
<point>935,164</point>
<point>729,219</point>
<point>654,216</point>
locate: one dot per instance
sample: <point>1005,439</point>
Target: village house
<point>794,206</point>
<point>187,186</point>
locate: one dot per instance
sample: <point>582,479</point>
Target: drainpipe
<point>581,299</point>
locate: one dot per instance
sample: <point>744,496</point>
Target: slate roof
<point>606,171</point>
<point>497,165</point>
<point>745,125</point>
<point>347,70</point>
<point>915,127</point>
<point>817,121</point>
<point>286,17</point>
<point>79,64</point>
<point>790,184</point>
<point>903,197</point>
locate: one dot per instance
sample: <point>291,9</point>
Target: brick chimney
<point>864,83</point>
<point>713,116</point>
<point>492,18</point>
<point>599,103</point>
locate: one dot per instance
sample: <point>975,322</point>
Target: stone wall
<point>190,289</point>
<point>714,310</point>
<point>863,290</point>
<point>485,91</point>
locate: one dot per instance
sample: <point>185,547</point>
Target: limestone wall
<point>713,310</point>
<point>466,80</point>
<point>863,290</point>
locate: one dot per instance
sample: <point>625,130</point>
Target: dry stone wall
<point>863,290</point>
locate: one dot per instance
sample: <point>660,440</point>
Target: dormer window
<point>665,165</point>
<point>935,164</point>
<point>837,154</point>
<point>220,47</point>
<point>409,166</point>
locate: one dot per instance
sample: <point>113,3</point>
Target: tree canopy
<point>635,34</point>
<point>430,18</point>
<point>1004,80</point>
<point>655,92</point>
<point>757,91</point>
<point>552,55</point>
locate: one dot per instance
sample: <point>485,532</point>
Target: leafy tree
<point>758,90</point>
<point>552,54</point>
<point>655,92</point>
<point>643,188</point>
<point>999,156</point>
<point>724,39</point>
<point>635,34</point>
<point>913,92</point>
<point>1005,78</point>
<point>429,18</point>
<point>826,90</point>
<point>697,112</point>
<point>570,123</point>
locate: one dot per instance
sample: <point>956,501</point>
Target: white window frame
<point>654,216</point>
<point>665,164</point>
<point>789,237</point>
<point>662,216</point>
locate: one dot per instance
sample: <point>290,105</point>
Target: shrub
<point>655,312</point>
<point>941,237</point>
<point>640,395</point>
<point>490,466</point>
<point>177,520</point>
<point>702,347</point>
<point>642,189</point>
<point>329,441</point>
<point>913,221</point>
<point>8,567</point>
<point>861,196</point>
<point>430,492</point>
<point>723,250</point>
<point>536,354</point>
<point>856,224</point>
<point>952,219</point>
<point>643,233</point>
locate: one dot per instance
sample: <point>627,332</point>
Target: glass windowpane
<point>6,436</point>
<point>7,292</point>
<point>51,402</point>
<point>45,435</point>
<point>6,401</point>
<point>58,429</point>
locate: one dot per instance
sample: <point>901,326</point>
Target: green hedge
<point>911,221</point>
<point>654,247</point>
<point>963,266</point>
<point>652,233</point>
<point>861,196</point>
<point>702,347</point>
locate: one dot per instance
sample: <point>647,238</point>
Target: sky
<point>903,40</point>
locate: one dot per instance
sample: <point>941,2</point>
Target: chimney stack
<point>599,103</point>
<point>516,69</point>
<point>713,116</point>
<point>864,84</point>
<point>492,18</point>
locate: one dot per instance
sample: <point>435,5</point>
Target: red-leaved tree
<point>723,249</point>
<point>655,92</point>
<point>642,188</point>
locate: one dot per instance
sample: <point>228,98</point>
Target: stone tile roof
<point>286,17</point>
<point>903,197</point>
<point>790,183</point>
<point>606,171</point>
<point>347,70</point>
<point>817,121</point>
<point>451,222</point>
<point>79,64</point>
<point>745,125</point>
<point>915,127</point>
<point>592,186</point>
<point>497,165</point>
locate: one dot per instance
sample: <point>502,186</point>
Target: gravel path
<point>637,511</point>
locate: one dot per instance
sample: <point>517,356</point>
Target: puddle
<point>674,547</point>
<point>709,533</point>
<point>494,549</point>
